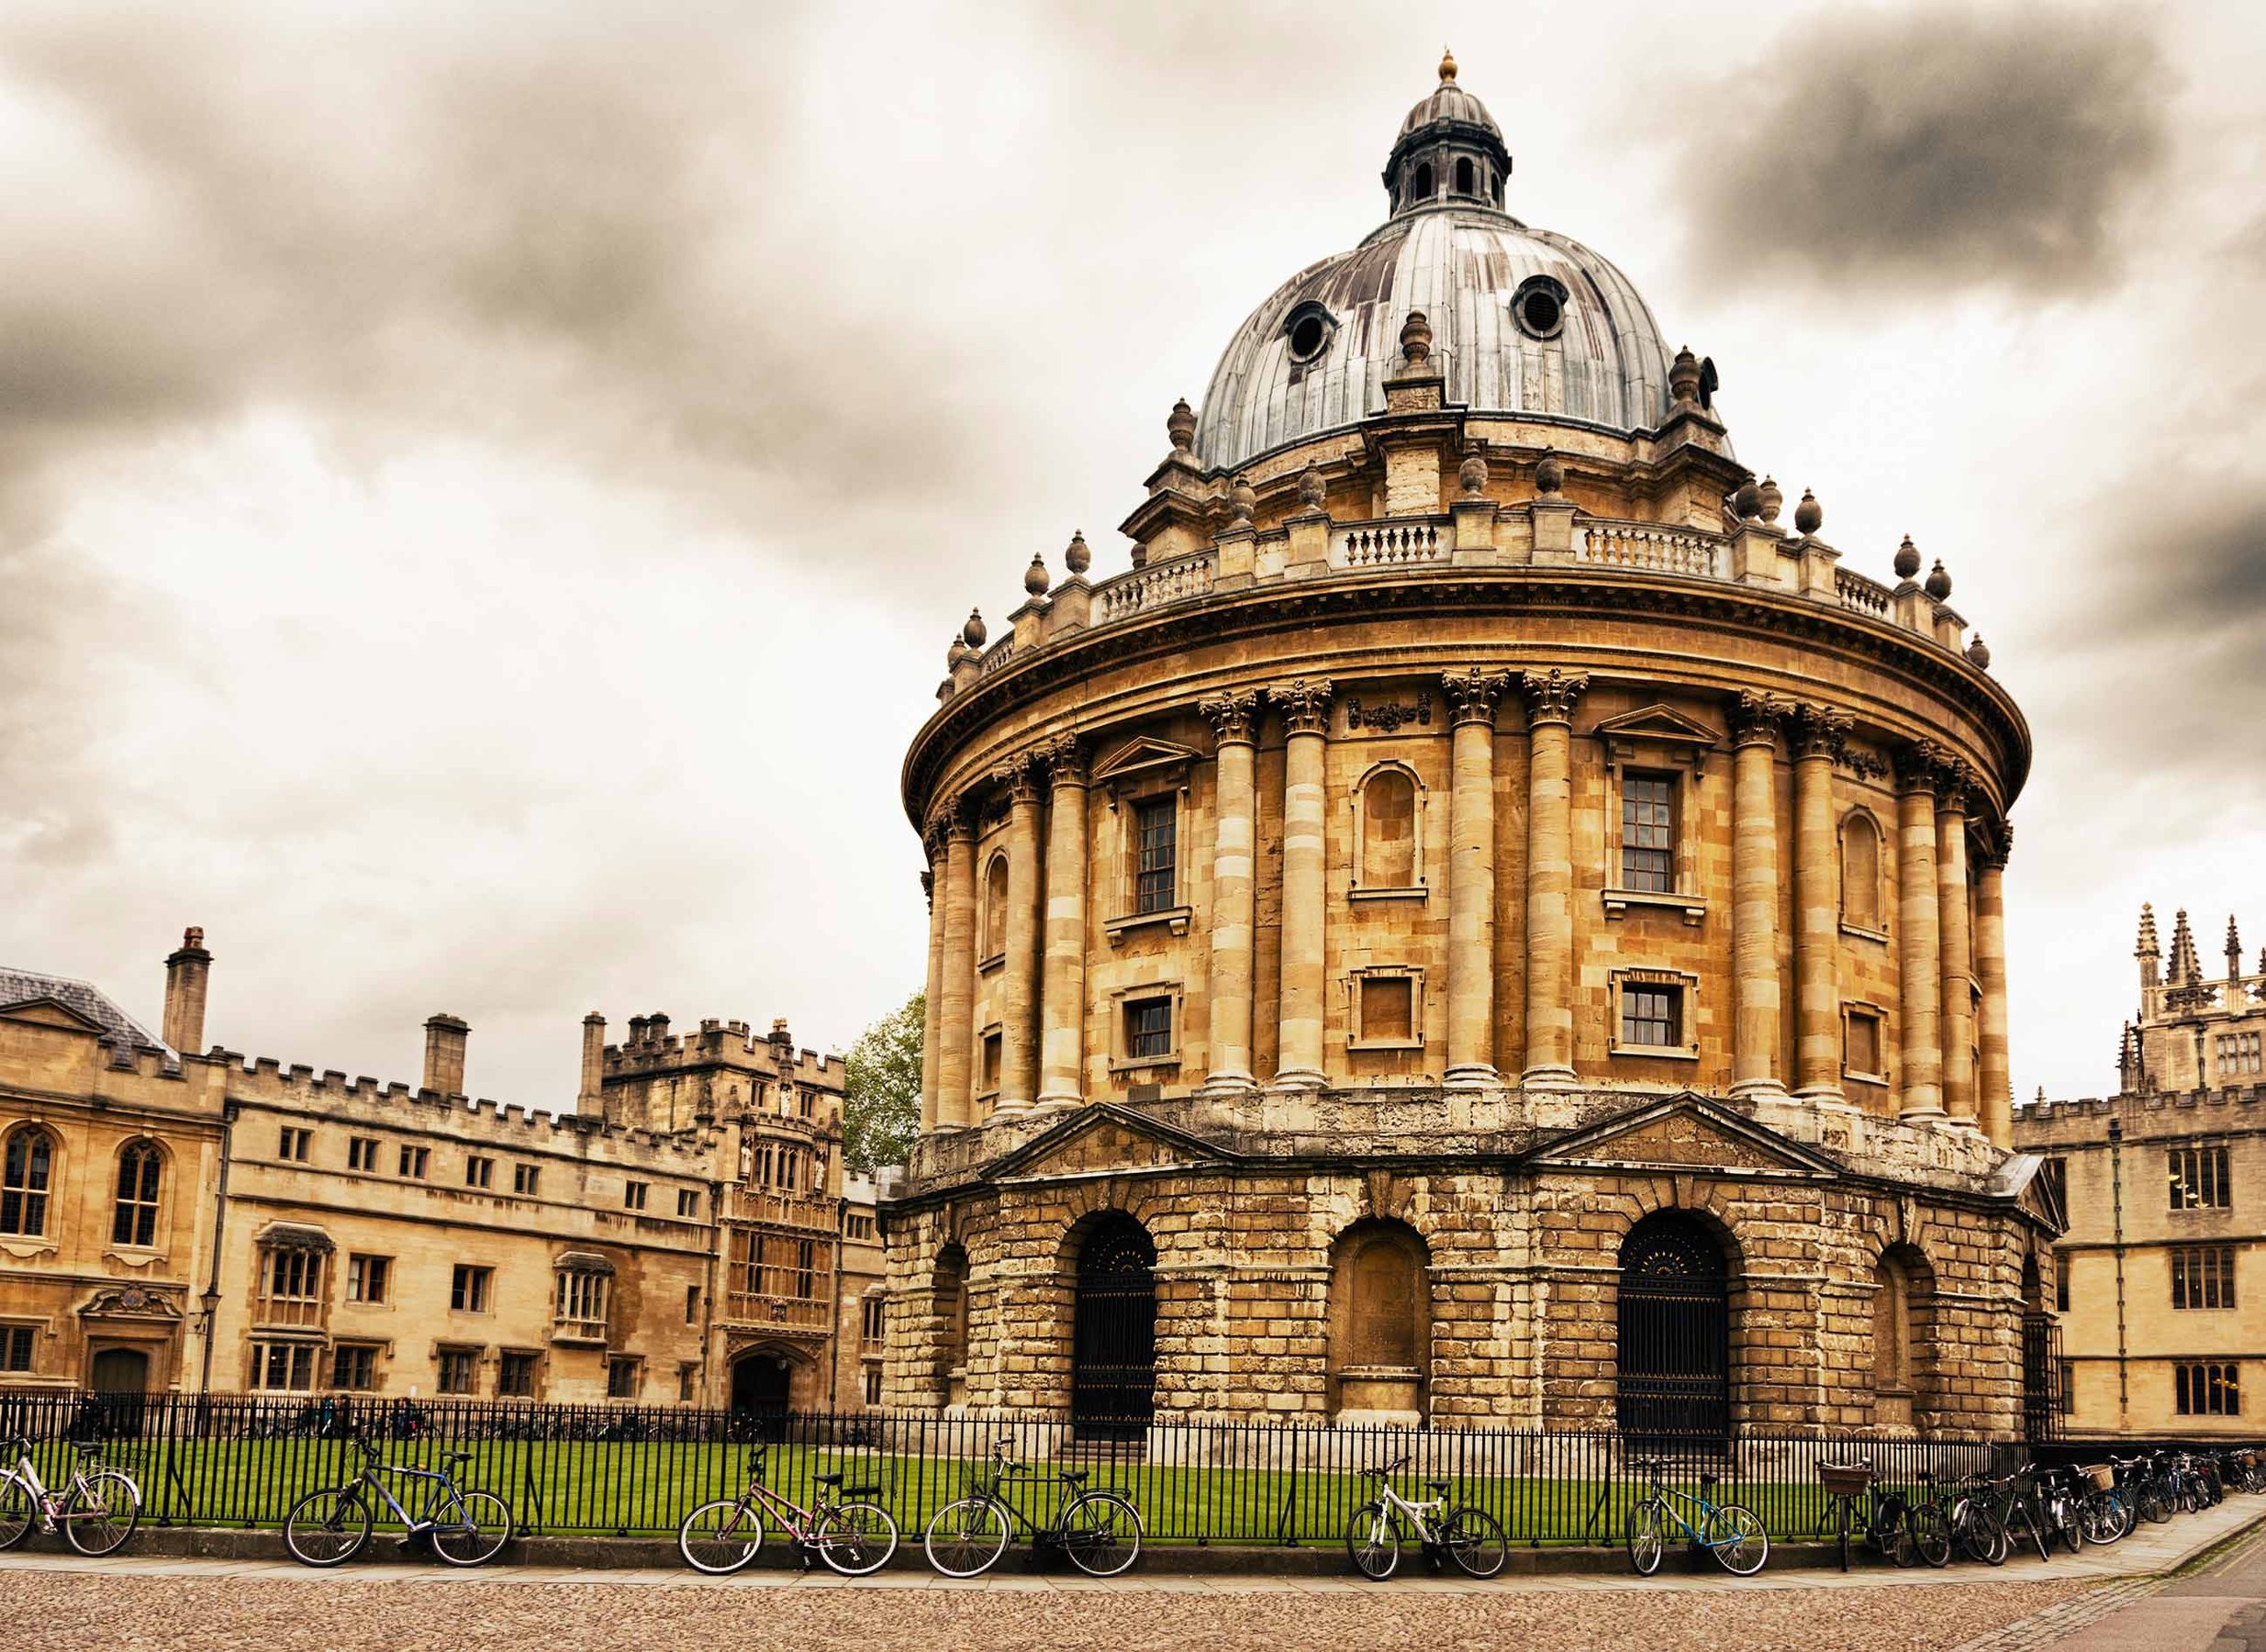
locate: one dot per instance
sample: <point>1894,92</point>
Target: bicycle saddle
<point>1707,1481</point>
<point>827,1480</point>
<point>1439,1486</point>
<point>457,1457</point>
<point>1077,1477</point>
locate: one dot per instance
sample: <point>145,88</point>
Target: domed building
<point>1484,921</point>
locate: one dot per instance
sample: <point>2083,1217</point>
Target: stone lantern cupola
<point>1450,151</point>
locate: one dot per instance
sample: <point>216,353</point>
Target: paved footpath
<point>162,1606</point>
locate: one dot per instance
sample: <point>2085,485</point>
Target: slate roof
<point>120,1031</point>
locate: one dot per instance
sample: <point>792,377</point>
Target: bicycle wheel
<point>1896,1539</point>
<point>1373,1542</point>
<point>2155,1508</point>
<point>1735,1537</point>
<point>1474,1542</point>
<point>1928,1532</point>
<point>2069,1524</point>
<point>18,1513</point>
<point>1101,1533</point>
<point>1648,1535</point>
<point>966,1539</point>
<point>477,1532</point>
<point>2024,1519</point>
<point>856,1538</point>
<point>329,1527</point>
<point>101,1513</point>
<point>719,1538</point>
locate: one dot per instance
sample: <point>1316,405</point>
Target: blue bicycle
<point>465,1528</point>
<point>1730,1531</point>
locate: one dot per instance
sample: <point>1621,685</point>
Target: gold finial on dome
<point>1447,65</point>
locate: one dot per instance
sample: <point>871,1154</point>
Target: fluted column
<point>1994,1081</point>
<point>954,1103</point>
<point>1955,940</point>
<point>1472,696</point>
<point>1820,733</point>
<point>933,995</point>
<point>1919,955</point>
<point>1062,1036</point>
<point>1755,1003</point>
<point>1018,1007</point>
<point>1551,698</point>
<point>1305,712</point>
<point>1235,806</point>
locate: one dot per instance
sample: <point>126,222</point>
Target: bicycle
<point>96,1512</point>
<point>329,1527</point>
<point>2062,1500</point>
<point>2013,1506</point>
<point>854,1537</point>
<point>1731,1532</point>
<point>1467,1534</point>
<point>1099,1530</point>
<point>1906,1530</point>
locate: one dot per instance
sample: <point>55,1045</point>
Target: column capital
<point>1473,693</point>
<point>1234,716</point>
<point>1955,784</point>
<point>1999,844</point>
<point>1304,703</point>
<point>1019,776</point>
<point>1757,719</point>
<point>1551,694</point>
<point>1919,766</point>
<point>1064,757</point>
<point>1819,730</point>
<point>948,823</point>
<point>928,888</point>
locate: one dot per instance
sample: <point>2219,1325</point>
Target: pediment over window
<point>50,1012</point>
<point>1099,1140</point>
<point>1653,729</point>
<point>134,1303</point>
<point>1686,1133</point>
<point>2021,1176</point>
<point>1145,763</point>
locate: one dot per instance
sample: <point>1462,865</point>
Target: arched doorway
<point>118,1379</point>
<point>1674,1364</point>
<point>760,1386</point>
<point>119,1371</point>
<point>1113,1336</point>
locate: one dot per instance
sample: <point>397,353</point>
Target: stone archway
<point>1113,1330</point>
<point>762,1382</point>
<point>1673,1366</point>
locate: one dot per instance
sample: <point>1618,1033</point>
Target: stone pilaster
<point>1954,942</point>
<point>1062,1033</point>
<point>1472,696</point>
<point>1019,998</point>
<point>1995,1080</point>
<point>1234,724</point>
<point>1305,707</point>
<point>954,1104</point>
<point>1756,1015</point>
<point>1550,698</point>
<point>1919,1011</point>
<point>1820,734</point>
<point>933,994</point>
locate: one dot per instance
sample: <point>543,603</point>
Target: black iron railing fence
<point>243,1461</point>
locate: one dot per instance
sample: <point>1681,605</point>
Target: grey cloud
<point>1919,151</point>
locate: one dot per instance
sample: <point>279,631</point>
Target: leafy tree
<point>881,1090</point>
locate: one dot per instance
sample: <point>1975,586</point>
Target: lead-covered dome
<point>1524,321</point>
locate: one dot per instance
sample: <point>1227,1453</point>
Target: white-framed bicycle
<point>95,1511</point>
<point>1467,1534</point>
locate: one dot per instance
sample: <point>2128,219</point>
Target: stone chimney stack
<point>590,1098</point>
<point>782,1043</point>
<point>445,1037</point>
<point>187,974</point>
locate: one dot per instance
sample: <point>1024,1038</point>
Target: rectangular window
<point>2238,1055</point>
<point>1156,834</point>
<point>1648,832</point>
<point>1863,1052</point>
<point>2198,1176</point>
<point>581,1298</point>
<point>2202,1275</point>
<point>2069,1387</point>
<point>1388,1009</point>
<point>293,1275</point>
<point>283,1368</point>
<point>687,1379</point>
<point>459,1372</point>
<point>479,1172</point>
<point>294,1144</point>
<point>362,1153</point>
<point>1652,1016</point>
<point>633,1196</point>
<point>468,1288</point>
<point>2206,1389</point>
<point>353,1367</point>
<point>15,1347</point>
<point>621,1379</point>
<point>687,1202</point>
<point>525,1179</point>
<point>368,1279</point>
<point>993,1047</point>
<point>806,1270</point>
<point>1148,1029</point>
<point>873,1385</point>
<point>413,1162</point>
<point>515,1377</point>
<point>692,1304</point>
<point>2062,1283</point>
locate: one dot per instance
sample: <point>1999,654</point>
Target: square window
<point>479,1172</point>
<point>353,1367</point>
<point>1387,1009</point>
<point>633,1196</point>
<point>621,1379</point>
<point>413,1161</point>
<point>283,1368</point>
<point>1652,1016</point>
<point>687,1202</point>
<point>1862,1055</point>
<point>1648,832</point>
<point>2206,1389</point>
<point>1148,1029</point>
<point>2198,1180</point>
<point>525,1179</point>
<point>362,1153</point>
<point>458,1371</point>
<point>368,1277</point>
<point>515,1377</point>
<point>15,1343</point>
<point>2203,1277</point>
<point>294,1143</point>
<point>1156,845</point>
<point>469,1289</point>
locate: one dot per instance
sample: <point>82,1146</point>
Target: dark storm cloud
<point>1928,149</point>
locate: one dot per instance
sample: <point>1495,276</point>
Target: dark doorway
<point>119,1371</point>
<point>760,1388</point>
<point>118,1378</point>
<point>1674,1332</point>
<point>1113,1336</point>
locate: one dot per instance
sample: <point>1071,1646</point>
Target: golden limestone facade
<point>191,1223</point>
<point>1479,922</point>
<point>2164,1184</point>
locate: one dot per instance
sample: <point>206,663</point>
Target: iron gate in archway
<point>1675,1331</point>
<point>1113,1334</point>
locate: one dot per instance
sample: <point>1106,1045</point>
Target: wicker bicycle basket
<point>1845,1479</point>
<point>2101,1477</point>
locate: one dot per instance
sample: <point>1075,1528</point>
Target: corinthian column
<point>1471,696</point>
<point>1061,1040</point>
<point>1995,1083</point>
<point>1754,996</point>
<point>1820,734</point>
<point>1919,955</point>
<point>1551,698</point>
<point>933,995</point>
<point>1956,941</point>
<point>1019,1019</point>
<point>954,1103</point>
<point>1234,724</point>
<point>1305,714</point>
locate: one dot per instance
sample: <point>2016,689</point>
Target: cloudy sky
<point>485,491</point>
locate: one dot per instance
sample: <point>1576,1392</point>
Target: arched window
<point>1113,1332</point>
<point>1861,871</point>
<point>27,1177</point>
<point>1904,1337</point>
<point>1422,190</point>
<point>141,1167</point>
<point>1380,1322</point>
<point>1389,823</point>
<point>1463,178</point>
<point>994,907</point>
<point>1674,1359</point>
<point>1891,1327</point>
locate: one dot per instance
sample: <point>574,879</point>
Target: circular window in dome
<point>1539,307</point>
<point>1309,327</point>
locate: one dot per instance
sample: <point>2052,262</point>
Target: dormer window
<point>1422,189</point>
<point>1539,307</point>
<point>1464,183</point>
<point>1309,327</point>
